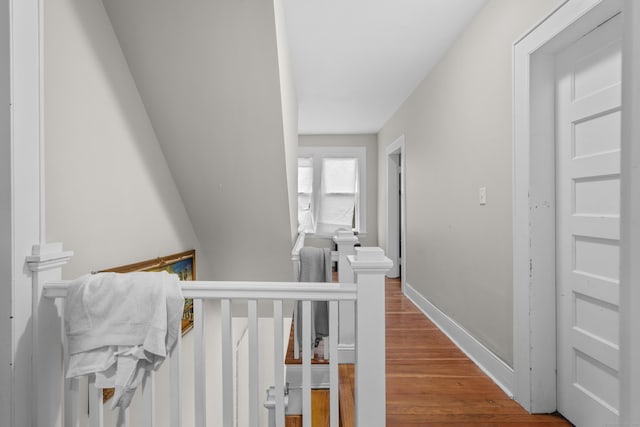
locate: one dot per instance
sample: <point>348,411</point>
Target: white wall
<point>109,194</point>
<point>457,127</point>
<point>208,74</point>
<point>370,142</point>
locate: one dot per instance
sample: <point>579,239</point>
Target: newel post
<point>370,266</point>
<point>46,264</point>
<point>346,240</point>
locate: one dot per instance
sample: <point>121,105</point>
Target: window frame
<point>317,154</point>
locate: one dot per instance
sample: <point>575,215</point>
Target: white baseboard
<point>501,373</point>
<point>346,353</point>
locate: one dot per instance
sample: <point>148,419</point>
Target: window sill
<point>330,236</point>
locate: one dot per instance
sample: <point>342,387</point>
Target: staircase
<point>320,403</point>
<point>320,396</point>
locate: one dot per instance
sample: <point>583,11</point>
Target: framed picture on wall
<point>183,264</point>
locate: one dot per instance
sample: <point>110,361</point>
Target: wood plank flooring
<point>430,382</point>
<point>347,395</point>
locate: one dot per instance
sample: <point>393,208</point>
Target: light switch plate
<point>483,196</point>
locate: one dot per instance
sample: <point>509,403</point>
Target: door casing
<point>534,207</point>
<point>396,194</point>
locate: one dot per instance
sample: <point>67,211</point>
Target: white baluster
<point>71,385</point>
<point>199,360</point>
<point>306,363</point>
<point>227,363</point>
<point>71,393</point>
<point>278,362</point>
<point>148,399</point>
<point>254,372</point>
<point>175,384</point>
<point>295,259</point>
<point>296,343</point>
<point>333,364</point>
<point>96,410</point>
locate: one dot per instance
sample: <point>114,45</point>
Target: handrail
<point>245,290</point>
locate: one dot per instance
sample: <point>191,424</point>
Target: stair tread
<point>320,403</point>
<point>290,360</point>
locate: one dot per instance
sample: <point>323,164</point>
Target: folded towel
<point>315,266</point>
<point>120,326</point>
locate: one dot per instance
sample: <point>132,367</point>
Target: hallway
<point>430,382</point>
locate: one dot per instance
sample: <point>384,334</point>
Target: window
<point>331,189</point>
<point>305,194</point>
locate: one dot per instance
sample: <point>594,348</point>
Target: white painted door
<point>588,226</point>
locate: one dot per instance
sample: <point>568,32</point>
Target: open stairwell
<point>320,399</point>
<point>320,403</point>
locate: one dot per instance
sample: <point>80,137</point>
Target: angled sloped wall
<point>208,75</point>
<point>109,194</point>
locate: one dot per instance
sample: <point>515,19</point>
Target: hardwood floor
<point>347,403</point>
<point>430,382</point>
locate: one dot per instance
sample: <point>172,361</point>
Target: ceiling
<point>356,61</point>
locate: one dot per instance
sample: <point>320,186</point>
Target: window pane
<point>304,202</point>
<point>336,211</point>
<point>305,175</point>
<point>339,175</point>
<point>305,217</point>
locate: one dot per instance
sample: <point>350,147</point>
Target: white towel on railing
<point>315,266</point>
<point>120,326</point>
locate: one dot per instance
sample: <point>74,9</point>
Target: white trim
<point>7,351</point>
<point>397,147</point>
<point>237,290</point>
<point>48,256</point>
<point>21,194</point>
<point>630,212</point>
<point>534,197</point>
<point>347,353</point>
<point>501,373</point>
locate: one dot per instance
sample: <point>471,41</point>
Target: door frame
<point>22,216</point>
<point>534,290</point>
<point>396,224</point>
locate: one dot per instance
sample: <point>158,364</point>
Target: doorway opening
<point>396,239</point>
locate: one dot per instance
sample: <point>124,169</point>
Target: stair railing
<point>345,241</point>
<point>369,266</point>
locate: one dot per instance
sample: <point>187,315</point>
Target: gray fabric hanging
<point>315,266</point>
